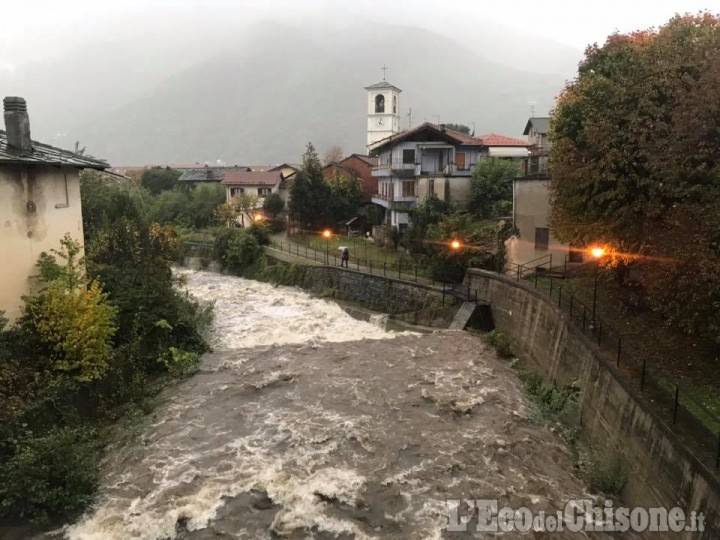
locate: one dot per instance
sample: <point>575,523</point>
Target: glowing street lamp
<point>257,218</point>
<point>597,252</point>
<point>455,245</point>
<point>327,234</point>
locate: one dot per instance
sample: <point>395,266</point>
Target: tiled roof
<point>540,123</point>
<point>252,178</point>
<point>493,139</point>
<point>44,154</point>
<point>381,84</point>
<point>370,160</point>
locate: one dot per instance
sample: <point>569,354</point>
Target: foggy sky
<point>37,29</point>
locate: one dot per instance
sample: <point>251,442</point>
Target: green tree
<point>429,212</point>
<point>159,179</point>
<point>72,316</point>
<point>273,204</point>
<point>345,197</point>
<point>237,249</point>
<point>204,199</point>
<point>309,193</point>
<point>460,128</point>
<point>635,162</point>
<point>491,187</point>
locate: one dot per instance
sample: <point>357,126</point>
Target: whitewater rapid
<point>306,423</point>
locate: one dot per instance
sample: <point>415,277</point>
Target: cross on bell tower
<point>384,70</point>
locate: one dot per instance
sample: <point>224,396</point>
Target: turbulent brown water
<point>306,423</point>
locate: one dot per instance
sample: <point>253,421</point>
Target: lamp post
<point>597,253</point>
<point>327,234</point>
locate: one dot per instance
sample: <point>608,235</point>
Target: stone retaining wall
<point>662,469</point>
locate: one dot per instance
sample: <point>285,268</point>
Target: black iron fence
<point>401,270</point>
<point>674,402</point>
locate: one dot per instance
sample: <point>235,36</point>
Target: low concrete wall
<point>386,295</point>
<point>662,469</point>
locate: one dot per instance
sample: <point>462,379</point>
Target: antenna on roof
<point>384,69</point>
<point>438,118</point>
<point>473,131</point>
<point>532,109</point>
<point>410,118</point>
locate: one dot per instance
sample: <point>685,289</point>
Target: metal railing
<point>676,406</point>
<point>529,268</point>
<point>402,270</point>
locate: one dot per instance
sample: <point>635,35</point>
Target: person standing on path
<point>345,259</point>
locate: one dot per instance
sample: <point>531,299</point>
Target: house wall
<point>531,203</point>
<point>28,231</point>
<point>662,471</point>
<point>363,171</point>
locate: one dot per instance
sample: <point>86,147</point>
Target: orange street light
<point>327,234</point>
<point>598,252</point>
<point>258,218</point>
<point>455,245</point>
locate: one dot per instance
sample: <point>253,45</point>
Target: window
<point>264,191</point>
<point>431,186</point>
<point>379,103</point>
<point>460,160</point>
<point>542,238</point>
<point>235,191</point>
<point>394,104</point>
<point>409,157</point>
<point>408,188</point>
<point>65,193</point>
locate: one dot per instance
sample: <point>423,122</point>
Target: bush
<point>273,204</point>
<point>501,343</point>
<point>236,249</point>
<point>48,476</point>
<point>180,363</point>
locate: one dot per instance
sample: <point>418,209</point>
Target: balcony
<point>394,202</point>
<point>397,168</point>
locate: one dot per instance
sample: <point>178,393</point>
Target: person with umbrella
<point>345,256</point>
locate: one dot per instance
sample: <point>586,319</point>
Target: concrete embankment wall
<point>662,472</point>
<point>412,302</point>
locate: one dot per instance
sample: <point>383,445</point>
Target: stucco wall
<point>662,469</point>
<point>36,212</point>
<point>531,202</point>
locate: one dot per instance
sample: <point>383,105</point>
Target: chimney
<point>17,125</point>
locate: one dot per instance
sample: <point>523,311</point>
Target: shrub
<point>236,249</point>
<point>53,475</point>
<point>501,343</point>
<point>273,204</point>
<point>180,363</point>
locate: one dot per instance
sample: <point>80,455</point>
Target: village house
<point>431,159</point>
<point>533,241</point>
<point>356,166</point>
<point>39,201</point>
<point>425,160</point>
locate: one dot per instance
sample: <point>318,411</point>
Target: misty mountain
<point>269,91</point>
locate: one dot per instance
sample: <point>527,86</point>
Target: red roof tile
<point>493,139</point>
<point>251,178</point>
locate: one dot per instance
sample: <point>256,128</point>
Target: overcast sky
<point>38,28</point>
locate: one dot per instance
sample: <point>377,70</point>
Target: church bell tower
<point>383,111</point>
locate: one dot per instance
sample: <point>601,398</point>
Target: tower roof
<point>382,84</point>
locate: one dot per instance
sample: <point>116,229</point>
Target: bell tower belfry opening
<point>383,110</point>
